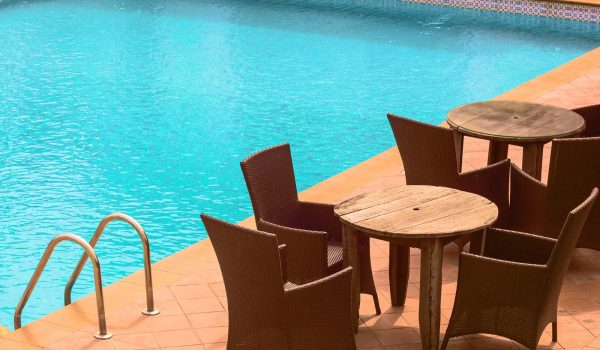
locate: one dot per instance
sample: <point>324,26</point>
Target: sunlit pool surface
<point>147,107</point>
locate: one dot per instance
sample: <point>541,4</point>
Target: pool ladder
<point>90,253</point>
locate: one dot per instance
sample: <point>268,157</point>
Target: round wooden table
<point>426,217</point>
<point>528,125</point>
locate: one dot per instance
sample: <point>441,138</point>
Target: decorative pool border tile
<point>551,8</point>
<point>527,7</point>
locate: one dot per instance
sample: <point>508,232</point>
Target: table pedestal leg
<point>532,159</point>
<point>399,271</point>
<point>430,293</point>
<point>458,148</point>
<point>350,243</point>
<point>498,151</point>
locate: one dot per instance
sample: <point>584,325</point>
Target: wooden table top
<point>515,121</point>
<point>417,212</point>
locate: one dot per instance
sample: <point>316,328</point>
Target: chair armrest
<point>491,182</point>
<point>527,203</point>
<point>320,217</point>
<point>283,261</point>
<point>518,246</point>
<point>591,115</point>
<point>306,251</point>
<point>488,281</point>
<point>320,313</point>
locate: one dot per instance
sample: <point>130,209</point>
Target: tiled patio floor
<point>191,296</point>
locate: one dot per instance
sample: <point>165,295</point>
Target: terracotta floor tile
<point>365,339</point>
<point>571,333</point>
<point>166,307</point>
<point>189,347</point>
<point>397,336</point>
<point>6,344</point>
<point>163,294</point>
<point>195,306</point>
<point>209,319</point>
<point>218,289</point>
<point>39,333</point>
<point>67,317</point>
<point>385,321</point>
<point>159,278</point>
<point>223,301</point>
<point>168,322</point>
<point>83,343</point>
<point>216,346</point>
<point>138,341</point>
<point>193,291</point>
<point>212,334</point>
<point>177,338</point>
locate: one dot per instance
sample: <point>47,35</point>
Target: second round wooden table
<point>425,217</point>
<point>528,125</point>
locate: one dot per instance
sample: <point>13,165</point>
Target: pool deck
<point>595,3</point>
<point>191,296</point>
<point>581,2</point>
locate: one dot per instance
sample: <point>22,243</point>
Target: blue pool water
<point>147,107</point>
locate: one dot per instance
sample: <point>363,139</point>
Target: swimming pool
<point>147,107</point>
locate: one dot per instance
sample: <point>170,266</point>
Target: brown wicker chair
<point>311,231</point>
<point>512,289</point>
<point>541,209</point>
<point>591,115</point>
<point>429,158</point>
<point>267,312</point>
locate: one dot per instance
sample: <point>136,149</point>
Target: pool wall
<point>573,11</point>
<point>579,10</point>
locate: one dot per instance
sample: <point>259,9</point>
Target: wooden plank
<point>371,199</point>
<point>532,159</point>
<point>399,263</point>
<point>350,246</point>
<point>394,205</point>
<point>498,151</point>
<point>459,140</point>
<point>430,293</point>
<point>461,223</point>
<point>442,207</point>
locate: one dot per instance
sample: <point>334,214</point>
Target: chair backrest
<point>271,183</point>
<point>591,115</point>
<point>565,245</point>
<point>251,269</point>
<point>574,171</point>
<point>427,152</point>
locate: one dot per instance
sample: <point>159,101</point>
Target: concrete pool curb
<point>78,321</point>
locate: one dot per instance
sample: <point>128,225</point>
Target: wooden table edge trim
<point>395,237</point>
<point>513,140</point>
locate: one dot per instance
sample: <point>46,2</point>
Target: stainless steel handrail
<point>150,310</point>
<point>88,252</point>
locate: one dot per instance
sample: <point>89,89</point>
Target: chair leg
<point>376,302</point>
<point>444,343</point>
<point>554,332</point>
